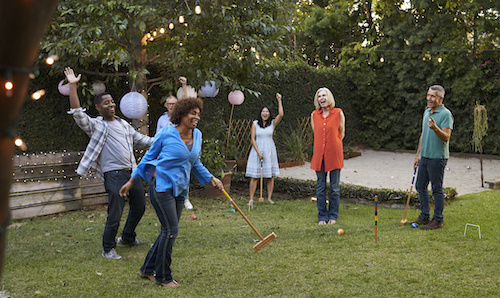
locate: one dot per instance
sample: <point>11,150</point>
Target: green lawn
<point>60,256</point>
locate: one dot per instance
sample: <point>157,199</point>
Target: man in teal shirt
<point>432,155</point>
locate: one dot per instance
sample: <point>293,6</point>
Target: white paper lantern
<point>191,92</point>
<point>63,89</point>
<point>98,87</point>
<point>133,105</point>
<point>209,90</point>
<point>236,97</point>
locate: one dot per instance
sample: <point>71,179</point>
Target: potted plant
<point>214,161</point>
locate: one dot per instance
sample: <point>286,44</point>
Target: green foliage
<point>294,146</point>
<point>212,158</point>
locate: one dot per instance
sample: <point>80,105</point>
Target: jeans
<point>332,212</point>
<point>168,209</point>
<point>113,181</point>
<point>431,170</point>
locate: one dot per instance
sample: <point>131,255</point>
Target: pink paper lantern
<point>236,97</point>
<point>63,89</point>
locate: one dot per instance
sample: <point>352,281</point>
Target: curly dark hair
<point>183,107</point>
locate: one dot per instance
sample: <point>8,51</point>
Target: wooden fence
<point>47,183</point>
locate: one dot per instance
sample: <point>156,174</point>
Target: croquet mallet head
<point>268,239</point>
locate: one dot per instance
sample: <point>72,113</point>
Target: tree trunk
<point>22,24</point>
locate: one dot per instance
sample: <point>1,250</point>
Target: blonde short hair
<point>329,98</point>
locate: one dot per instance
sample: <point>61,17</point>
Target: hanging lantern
<point>209,90</point>
<point>191,92</point>
<point>63,89</point>
<point>133,105</point>
<point>236,97</point>
<point>98,87</point>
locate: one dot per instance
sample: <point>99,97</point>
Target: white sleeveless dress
<point>265,143</point>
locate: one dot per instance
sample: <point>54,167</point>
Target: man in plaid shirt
<point>110,155</point>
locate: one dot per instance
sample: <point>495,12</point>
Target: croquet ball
<point>231,210</point>
<point>414,225</point>
<point>192,216</point>
<point>340,232</point>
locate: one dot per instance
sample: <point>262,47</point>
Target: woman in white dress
<point>264,150</point>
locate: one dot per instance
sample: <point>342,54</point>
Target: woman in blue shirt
<point>174,154</point>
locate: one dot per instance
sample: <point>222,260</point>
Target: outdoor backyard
<point>69,68</point>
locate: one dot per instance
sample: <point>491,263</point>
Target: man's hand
<point>70,75</point>
<point>183,80</point>
<point>431,123</point>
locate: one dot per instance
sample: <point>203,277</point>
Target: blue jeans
<point>113,181</point>
<point>431,170</point>
<point>332,212</point>
<point>168,209</point>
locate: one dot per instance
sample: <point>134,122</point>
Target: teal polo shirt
<point>432,146</point>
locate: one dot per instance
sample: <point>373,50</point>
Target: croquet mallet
<point>263,241</point>
<point>261,198</point>
<point>403,221</point>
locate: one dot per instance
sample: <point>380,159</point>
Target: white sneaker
<point>112,255</point>
<point>187,204</point>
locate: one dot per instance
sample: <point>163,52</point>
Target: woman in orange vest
<point>328,124</point>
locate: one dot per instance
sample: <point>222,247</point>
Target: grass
<point>59,256</point>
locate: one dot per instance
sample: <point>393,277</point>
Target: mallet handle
<point>239,210</point>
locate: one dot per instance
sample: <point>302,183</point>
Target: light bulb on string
<point>440,59</point>
<point>181,18</point>
<point>162,29</point>
<point>197,8</point>
<point>382,60</point>
<point>171,25</point>
<point>38,94</point>
<point>51,59</point>
<point>155,33</point>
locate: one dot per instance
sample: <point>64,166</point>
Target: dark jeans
<point>168,209</point>
<point>431,170</point>
<point>113,181</point>
<point>332,212</point>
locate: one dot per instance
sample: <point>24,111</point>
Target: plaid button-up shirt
<point>97,130</point>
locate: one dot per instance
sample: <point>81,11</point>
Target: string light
<point>440,59</point>
<point>51,59</point>
<point>382,59</point>
<point>197,8</point>
<point>171,25</point>
<point>181,18</point>
<point>38,94</point>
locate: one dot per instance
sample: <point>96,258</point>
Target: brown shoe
<point>148,276</point>
<point>434,224</point>
<point>172,284</point>
<point>420,221</point>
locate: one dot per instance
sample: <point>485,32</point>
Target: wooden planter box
<point>348,155</point>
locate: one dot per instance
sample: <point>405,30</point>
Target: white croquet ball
<point>133,105</point>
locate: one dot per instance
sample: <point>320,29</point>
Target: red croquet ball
<point>192,216</point>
